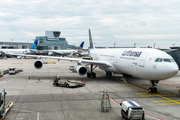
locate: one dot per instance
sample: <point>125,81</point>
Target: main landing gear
<point>91,73</point>
<point>153,89</point>
<point>108,74</point>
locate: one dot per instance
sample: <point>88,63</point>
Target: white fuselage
<point>64,52</point>
<point>138,62</point>
<point>15,51</point>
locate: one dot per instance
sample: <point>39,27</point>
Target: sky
<point>123,23</point>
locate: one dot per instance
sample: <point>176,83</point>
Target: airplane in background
<point>145,63</point>
<point>21,51</point>
<point>67,52</point>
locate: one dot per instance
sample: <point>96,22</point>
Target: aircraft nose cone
<point>173,70</point>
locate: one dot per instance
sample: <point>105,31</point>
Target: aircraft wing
<point>95,62</point>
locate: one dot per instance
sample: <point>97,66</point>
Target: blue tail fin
<point>34,46</point>
<point>91,41</point>
<point>81,46</point>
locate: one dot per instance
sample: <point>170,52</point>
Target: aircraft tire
<point>93,75</point>
<point>150,90</point>
<point>107,74</point>
<point>110,74</point>
<point>154,90</point>
<point>88,75</point>
<point>143,117</point>
<point>122,114</point>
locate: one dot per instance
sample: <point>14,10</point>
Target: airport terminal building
<point>51,41</point>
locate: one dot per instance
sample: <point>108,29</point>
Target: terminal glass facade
<point>44,40</point>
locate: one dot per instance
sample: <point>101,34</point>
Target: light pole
<point>114,45</point>
<point>154,45</point>
<point>173,44</point>
<point>134,45</point>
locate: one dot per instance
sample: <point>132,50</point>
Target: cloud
<point>110,21</point>
<point>170,36</point>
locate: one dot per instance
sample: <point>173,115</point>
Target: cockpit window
<point>164,60</point>
<point>172,60</point>
<point>167,60</point>
<point>157,60</point>
<point>161,60</point>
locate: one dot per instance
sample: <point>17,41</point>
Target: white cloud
<point>169,36</point>
<point>110,21</point>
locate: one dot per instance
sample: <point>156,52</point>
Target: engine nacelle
<point>81,70</point>
<point>38,64</point>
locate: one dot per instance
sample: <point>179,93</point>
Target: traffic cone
<point>29,77</point>
<point>84,82</point>
<point>39,79</point>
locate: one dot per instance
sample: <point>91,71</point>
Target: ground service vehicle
<point>72,68</point>
<point>66,83</point>
<point>4,108</point>
<point>13,70</point>
<point>130,110</point>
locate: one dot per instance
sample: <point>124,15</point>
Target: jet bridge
<point>175,54</point>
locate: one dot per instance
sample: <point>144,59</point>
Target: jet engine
<point>38,64</point>
<point>81,70</point>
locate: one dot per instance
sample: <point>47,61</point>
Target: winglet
<point>81,46</point>
<point>34,46</point>
<point>91,41</point>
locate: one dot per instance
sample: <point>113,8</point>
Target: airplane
<point>67,52</point>
<point>21,51</point>
<point>145,63</point>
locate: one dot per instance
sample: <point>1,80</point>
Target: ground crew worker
<point>57,77</point>
<point>0,74</point>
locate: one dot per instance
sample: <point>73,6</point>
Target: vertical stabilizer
<point>81,46</point>
<point>91,41</point>
<point>34,46</point>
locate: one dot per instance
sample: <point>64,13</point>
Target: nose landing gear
<point>153,89</point>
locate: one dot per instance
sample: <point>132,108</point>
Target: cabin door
<point>142,60</point>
